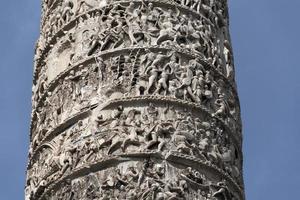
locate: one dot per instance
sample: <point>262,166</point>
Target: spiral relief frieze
<point>135,100</point>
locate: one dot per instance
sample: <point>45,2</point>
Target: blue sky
<point>265,37</point>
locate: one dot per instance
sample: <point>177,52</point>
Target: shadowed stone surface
<point>135,100</point>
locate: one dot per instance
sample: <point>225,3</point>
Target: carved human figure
<point>66,158</point>
<point>221,106</point>
<point>135,31</point>
<point>116,139</point>
<point>153,72</point>
<point>167,31</point>
<point>221,192</point>
<point>91,150</point>
<point>133,138</point>
<point>228,60</point>
<point>198,85</point>
<point>67,11</point>
<point>117,34</point>
<point>152,112</point>
<point>196,5</point>
<point>82,6</point>
<point>147,60</point>
<point>163,80</point>
<point>96,41</point>
<point>186,81</point>
<point>102,70</point>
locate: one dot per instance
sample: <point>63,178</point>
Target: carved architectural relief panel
<point>135,100</point>
<point>145,128</point>
<point>146,180</point>
<point>138,23</point>
<point>141,73</point>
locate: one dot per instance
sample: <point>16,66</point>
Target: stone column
<point>135,100</point>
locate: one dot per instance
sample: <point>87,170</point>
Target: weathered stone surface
<point>135,100</point>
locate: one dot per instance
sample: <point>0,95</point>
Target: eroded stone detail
<point>135,100</point>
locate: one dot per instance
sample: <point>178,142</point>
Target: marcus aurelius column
<point>134,100</point>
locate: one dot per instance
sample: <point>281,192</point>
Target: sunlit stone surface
<point>135,100</point>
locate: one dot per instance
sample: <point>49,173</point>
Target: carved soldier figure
<point>186,80</point>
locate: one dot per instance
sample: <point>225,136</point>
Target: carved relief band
<point>135,100</point>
